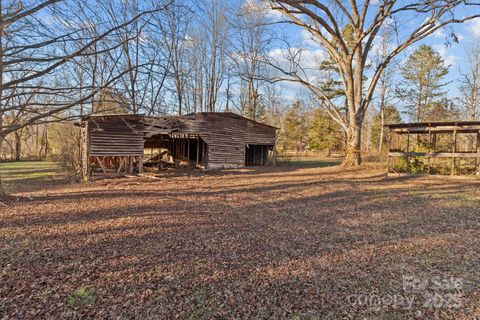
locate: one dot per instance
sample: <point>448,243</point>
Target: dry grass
<point>266,243</point>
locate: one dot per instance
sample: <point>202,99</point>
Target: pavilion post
<point>389,148</point>
<point>429,150</point>
<point>454,151</point>
<point>478,152</point>
<point>408,149</point>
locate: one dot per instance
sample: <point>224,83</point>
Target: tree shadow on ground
<point>267,244</point>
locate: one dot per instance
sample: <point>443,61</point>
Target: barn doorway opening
<point>165,150</point>
<point>257,155</point>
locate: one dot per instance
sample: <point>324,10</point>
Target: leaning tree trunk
<point>18,147</point>
<point>353,154</point>
<point>382,123</point>
<point>3,194</point>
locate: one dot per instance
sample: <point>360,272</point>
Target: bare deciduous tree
<point>327,21</point>
<point>252,40</point>
<point>40,42</point>
<point>470,84</point>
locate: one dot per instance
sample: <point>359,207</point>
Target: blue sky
<point>454,54</point>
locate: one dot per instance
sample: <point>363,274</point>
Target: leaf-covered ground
<point>264,243</point>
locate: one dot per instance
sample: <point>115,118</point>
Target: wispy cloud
<point>440,33</point>
<point>474,27</point>
<point>449,58</point>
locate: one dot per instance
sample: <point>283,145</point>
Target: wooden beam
<point>122,160</point>
<point>100,162</point>
<point>434,154</point>
<point>445,128</point>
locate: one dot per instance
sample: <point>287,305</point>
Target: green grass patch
<point>81,296</point>
<point>22,175</point>
<point>23,170</point>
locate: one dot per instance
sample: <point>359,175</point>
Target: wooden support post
<point>454,150</point>
<point>389,148</point>
<point>429,150</point>
<point>478,153</point>
<point>130,165</point>
<point>100,162</point>
<point>120,164</point>
<point>205,150</point>
<point>434,146</point>
<point>177,149</point>
<point>198,151</point>
<point>261,155</point>
<point>140,164</point>
<point>408,148</point>
<point>183,149</point>
<point>188,148</point>
<point>408,142</point>
<point>274,155</point>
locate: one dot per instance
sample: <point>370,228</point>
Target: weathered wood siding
<point>115,136</point>
<point>227,135</point>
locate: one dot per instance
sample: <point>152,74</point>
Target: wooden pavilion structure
<point>115,145</point>
<point>443,148</point>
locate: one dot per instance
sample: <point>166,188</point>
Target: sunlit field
<point>277,242</point>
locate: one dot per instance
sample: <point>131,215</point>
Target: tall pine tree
<point>423,82</point>
<point>294,128</point>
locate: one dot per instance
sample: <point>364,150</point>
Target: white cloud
<point>306,58</point>
<point>474,27</point>
<point>262,8</point>
<point>440,33</point>
<point>450,59</point>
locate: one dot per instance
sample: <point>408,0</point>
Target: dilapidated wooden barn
<point>119,144</point>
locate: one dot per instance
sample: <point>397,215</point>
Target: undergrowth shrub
<point>65,140</point>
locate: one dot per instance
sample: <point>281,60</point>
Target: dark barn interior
<point>192,149</point>
<point>256,155</point>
